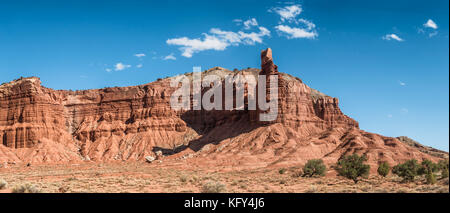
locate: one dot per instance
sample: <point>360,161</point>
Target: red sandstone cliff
<point>38,124</point>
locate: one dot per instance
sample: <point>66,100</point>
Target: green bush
<point>428,166</point>
<point>282,171</point>
<point>353,167</point>
<point>408,170</point>
<point>431,179</point>
<point>443,164</point>
<point>384,169</point>
<point>443,167</point>
<point>314,167</point>
<point>444,173</point>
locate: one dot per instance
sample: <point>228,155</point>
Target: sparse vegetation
<point>353,167</point>
<point>443,167</point>
<point>428,167</point>
<point>183,178</point>
<point>3,184</point>
<point>138,177</point>
<point>408,170</point>
<point>384,169</point>
<point>443,164</point>
<point>282,171</point>
<point>314,167</point>
<point>63,189</point>
<point>26,188</point>
<point>213,187</point>
<point>297,174</point>
<point>430,177</point>
<point>444,173</point>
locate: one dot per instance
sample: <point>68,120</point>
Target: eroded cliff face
<point>32,124</point>
<point>38,124</point>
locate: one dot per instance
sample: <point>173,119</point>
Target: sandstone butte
<point>42,125</point>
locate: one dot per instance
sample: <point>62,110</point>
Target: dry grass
<point>26,188</point>
<point>213,187</point>
<point>3,184</point>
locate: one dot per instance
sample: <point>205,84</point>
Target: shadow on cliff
<point>213,129</point>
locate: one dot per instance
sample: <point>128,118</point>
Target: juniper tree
<point>314,167</point>
<point>353,167</point>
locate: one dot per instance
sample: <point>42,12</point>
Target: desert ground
<point>142,177</point>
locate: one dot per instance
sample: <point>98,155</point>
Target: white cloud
<point>217,39</point>
<point>392,37</point>
<point>253,37</point>
<point>402,83</point>
<point>170,57</point>
<point>228,36</point>
<point>139,65</point>
<point>120,66</point>
<point>431,24</point>
<point>190,46</point>
<point>309,25</point>
<point>250,23</point>
<point>139,55</point>
<point>430,28</point>
<point>288,13</point>
<point>294,32</point>
<point>303,28</point>
<point>108,70</point>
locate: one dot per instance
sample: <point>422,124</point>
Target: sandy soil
<point>159,177</point>
<point>156,177</point>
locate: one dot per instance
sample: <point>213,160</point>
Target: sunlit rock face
<point>39,124</point>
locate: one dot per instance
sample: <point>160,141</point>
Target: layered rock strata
<point>38,124</point>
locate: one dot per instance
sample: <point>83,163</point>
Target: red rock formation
<point>38,124</point>
<point>267,65</point>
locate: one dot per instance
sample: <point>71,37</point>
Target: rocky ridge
<point>42,125</point>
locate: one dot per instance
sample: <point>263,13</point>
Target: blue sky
<point>385,61</point>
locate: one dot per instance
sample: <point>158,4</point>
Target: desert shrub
<point>443,164</point>
<point>353,167</point>
<point>443,167</point>
<point>63,189</point>
<point>213,187</point>
<point>384,169</point>
<point>407,170</point>
<point>444,173</point>
<point>282,171</point>
<point>314,167</point>
<point>430,177</point>
<point>183,178</point>
<point>25,188</point>
<point>3,184</point>
<point>428,166</point>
